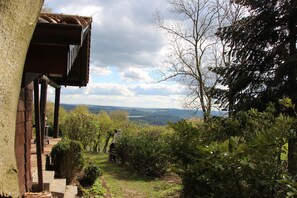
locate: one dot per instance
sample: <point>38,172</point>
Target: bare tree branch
<point>194,48</point>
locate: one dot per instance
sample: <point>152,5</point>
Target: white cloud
<point>135,74</point>
<point>73,90</point>
<point>123,37</point>
<point>100,71</point>
<point>124,101</point>
<point>83,9</point>
<point>109,89</point>
<point>157,90</point>
<point>144,95</point>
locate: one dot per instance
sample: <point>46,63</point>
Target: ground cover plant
<point>67,159</point>
<point>145,152</point>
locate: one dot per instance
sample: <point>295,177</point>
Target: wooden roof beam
<point>56,33</point>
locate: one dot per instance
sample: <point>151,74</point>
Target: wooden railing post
<point>38,134</point>
<point>56,114</point>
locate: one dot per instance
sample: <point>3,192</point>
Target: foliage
<point>156,119</point>
<point>183,143</point>
<point>264,55</point>
<point>91,173</point>
<point>50,107</point>
<point>104,121</point>
<point>82,127</point>
<point>67,158</point>
<point>290,182</point>
<point>50,117</point>
<point>119,116</point>
<point>120,119</point>
<point>106,131</point>
<point>146,152</point>
<point>97,190</point>
<point>149,154</point>
<point>80,109</point>
<point>124,148</point>
<point>233,157</point>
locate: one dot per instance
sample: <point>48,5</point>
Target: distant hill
<point>152,116</point>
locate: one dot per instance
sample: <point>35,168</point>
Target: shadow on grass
<point>116,170</point>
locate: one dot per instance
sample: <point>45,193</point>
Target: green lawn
<point>119,182</point>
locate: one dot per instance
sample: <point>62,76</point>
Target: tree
<point>18,20</point>
<point>193,48</point>
<point>83,128</point>
<point>120,119</point>
<point>264,65</point>
<point>50,114</point>
<point>81,109</point>
<point>105,128</point>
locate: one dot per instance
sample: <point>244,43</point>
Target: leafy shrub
<point>67,159</point>
<point>97,190</point>
<point>83,128</point>
<point>233,157</point>
<point>92,172</point>
<point>146,153</point>
<point>149,154</point>
<point>123,148</point>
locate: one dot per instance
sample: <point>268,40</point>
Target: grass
<point>120,182</point>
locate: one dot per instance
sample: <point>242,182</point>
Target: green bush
<point>149,155</point>
<point>92,172</point>
<point>233,157</point>
<point>123,148</point>
<point>67,159</point>
<point>83,128</point>
<point>146,153</point>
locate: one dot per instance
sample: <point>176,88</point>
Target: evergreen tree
<point>264,64</point>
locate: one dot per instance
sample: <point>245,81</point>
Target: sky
<point>126,49</point>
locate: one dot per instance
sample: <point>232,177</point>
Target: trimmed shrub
<point>146,153</point>
<point>92,172</point>
<point>123,148</point>
<point>67,159</point>
<point>149,155</point>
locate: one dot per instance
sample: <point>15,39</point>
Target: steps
<point>48,177</point>
<point>71,191</point>
<point>57,187</point>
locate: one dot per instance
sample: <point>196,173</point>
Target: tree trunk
<point>106,142</point>
<point>18,20</point>
<point>292,75</point>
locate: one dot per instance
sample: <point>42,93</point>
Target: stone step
<point>48,177</point>
<point>58,188</point>
<point>71,191</point>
